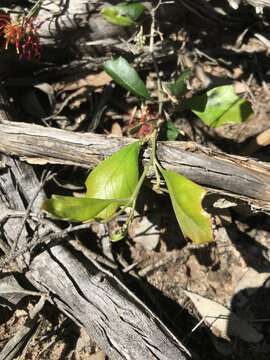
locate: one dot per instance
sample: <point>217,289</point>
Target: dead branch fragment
<point>240,177</point>
<point>91,296</point>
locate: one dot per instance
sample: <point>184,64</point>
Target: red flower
<point>22,34</point>
<point>31,47</point>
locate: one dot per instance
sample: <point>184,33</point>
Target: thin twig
<point>151,50</point>
<point>44,179</point>
<point>12,214</point>
<point>59,235</point>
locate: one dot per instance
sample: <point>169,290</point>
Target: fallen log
<point>239,177</point>
<point>88,294</point>
<point>79,23</point>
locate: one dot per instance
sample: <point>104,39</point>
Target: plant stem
<point>153,163</point>
<point>157,164</point>
<point>151,50</point>
<point>134,197</point>
<point>33,12</point>
<point>154,159</point>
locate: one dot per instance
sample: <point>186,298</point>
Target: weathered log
<point>240,177</point>
<point>93,297</point>
<point>76,22</point>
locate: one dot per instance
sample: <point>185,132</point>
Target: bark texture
<point>237,176</point>
<point>90,295</point>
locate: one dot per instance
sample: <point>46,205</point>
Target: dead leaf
<point>251,281</point>
<point>222,319</point>
<point>93,80</point>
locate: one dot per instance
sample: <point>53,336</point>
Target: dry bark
<point>236,176</point>
<point>90,295</point>
<point>73,22</point>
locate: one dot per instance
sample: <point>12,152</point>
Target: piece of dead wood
<point>11,290</point>
<point>88,294</point>
<point>64,22</point>
<point>18,343</point>
<point>238,177</point>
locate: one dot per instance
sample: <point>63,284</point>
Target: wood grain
<point>237,176</point>
<point>87,293</point>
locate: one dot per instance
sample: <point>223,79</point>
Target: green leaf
<point>123,14</point>
<point>111,14</point>
<point>124,75</point>
<point>115,178</point>
<point>220,106</point>
<point>172,132</point>
<point>179,87</point>
<point>186,197</point>
<point>133,10</point>
<point>77,209</point>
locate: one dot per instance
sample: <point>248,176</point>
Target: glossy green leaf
<point>115,177</point>
<point>134,10</point>
<point>124,75</point>
<point>123,14</point>
<point>111,14</point>
<point>77,209</point>
<point>220,106</point>
<point>186,197</point>
<point>179,87</point>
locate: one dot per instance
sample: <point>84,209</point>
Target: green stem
<point>157,164</point>
<point>139,185</point>
<point>154,146</point>
<point>151,164</point>
<point>33,12</point>
<point>133,199</point>
<point>154,160</point>
<point>151,51</point>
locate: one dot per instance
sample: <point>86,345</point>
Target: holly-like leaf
<point>115,178</point>
<point>179,87</point>
<point>220,106</point>
<point>186,197</point>
<point>124,75</point>
<point>78,209</point>
<point>123,14</point>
